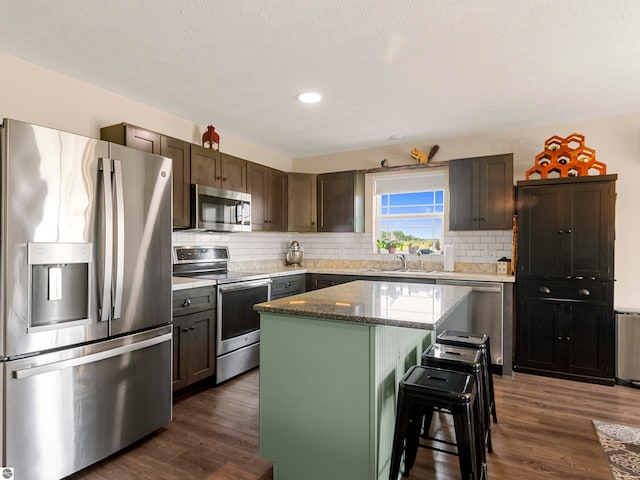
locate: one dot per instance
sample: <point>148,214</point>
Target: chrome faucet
<point>419,255</point>
<point>403,259</point>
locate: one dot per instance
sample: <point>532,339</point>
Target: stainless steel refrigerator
<point>85,298</point>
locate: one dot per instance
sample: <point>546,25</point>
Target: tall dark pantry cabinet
<point>565,322</point>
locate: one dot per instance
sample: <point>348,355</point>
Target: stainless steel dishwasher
<point>627,353</point>
<point>489,306</point>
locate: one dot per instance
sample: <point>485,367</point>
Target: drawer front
<point>323,280</point>
<point>193,300</point>
<point>285,286</point>
<point>582,291</point>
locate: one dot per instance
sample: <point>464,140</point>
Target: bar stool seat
<point>423,389</point>
<point>465,360</point>
<point>474,340</point>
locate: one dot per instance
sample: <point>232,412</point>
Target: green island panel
<point>328,395</point>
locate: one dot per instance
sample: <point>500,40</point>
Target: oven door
<point>238,325</point>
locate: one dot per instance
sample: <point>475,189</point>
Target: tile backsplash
<point>481,247</point>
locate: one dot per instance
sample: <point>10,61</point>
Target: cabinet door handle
<point>544,290</point>
<point>192,327</point>
<point>561,232</point>
<point>559,338</point>
<point>584,292</point>
<point>568,230</point>
<point>567,338</point>
<point>185,330</point>
<point>187,302</point>
<point>287,284</point>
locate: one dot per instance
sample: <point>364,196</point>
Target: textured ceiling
<point>390,71</point>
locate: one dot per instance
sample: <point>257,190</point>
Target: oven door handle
<point>244,285</point>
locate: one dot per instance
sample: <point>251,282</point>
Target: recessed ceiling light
<point>309,97</point>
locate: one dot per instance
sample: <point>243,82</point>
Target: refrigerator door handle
<point>105,311</point>
<point>119,276</point>
<point>91,358</point>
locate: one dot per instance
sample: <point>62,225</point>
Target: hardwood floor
<point>544,432</point>
<point>213,436</point>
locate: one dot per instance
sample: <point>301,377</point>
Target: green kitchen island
<point>330,363</point>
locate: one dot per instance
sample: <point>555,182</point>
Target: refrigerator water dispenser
<point>59,283</point>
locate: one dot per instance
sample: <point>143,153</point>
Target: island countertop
<point>410,305</point>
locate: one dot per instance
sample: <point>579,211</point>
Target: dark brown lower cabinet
<point>316,281</point>
<point>567,337</point>
<point>194,320</point>
<point>287,285</point>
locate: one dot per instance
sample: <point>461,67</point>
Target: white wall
<point>615,139</point>
<point>34,94</point>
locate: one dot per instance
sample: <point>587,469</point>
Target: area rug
<point>621,447</point>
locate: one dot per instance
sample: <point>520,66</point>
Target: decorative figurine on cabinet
<point>210,138</point>
<point>418,155</point>
<point>423,157</point>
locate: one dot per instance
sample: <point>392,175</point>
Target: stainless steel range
<point>237,325</point>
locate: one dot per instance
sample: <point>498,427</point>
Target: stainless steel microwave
<point>218,210</point>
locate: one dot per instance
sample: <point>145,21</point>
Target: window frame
<point>376,218</point>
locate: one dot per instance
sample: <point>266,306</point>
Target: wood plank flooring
<point>544,432</point>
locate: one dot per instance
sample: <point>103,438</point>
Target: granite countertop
<point>374,272</point>
<point>411,305</point>
<point>182,283</point>
<point>378,272</point>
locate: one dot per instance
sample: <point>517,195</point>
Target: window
<point>409,212</point>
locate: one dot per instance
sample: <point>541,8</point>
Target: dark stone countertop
<point>411,305</point>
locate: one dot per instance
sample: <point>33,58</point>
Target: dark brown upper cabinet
<point>302,209</point>
<point>341,202</point>
<point>220,170</point>
<point>233,173</point>
<point>132,136</point>
<point>177,150</point>
<point>566,227</point>
<point>481,193</point>
<point>268,189</point>
<point>205,166</point>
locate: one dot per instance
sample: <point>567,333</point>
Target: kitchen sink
<point>381,270</point>
<point>400,270</point>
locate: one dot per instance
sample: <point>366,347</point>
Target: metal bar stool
<point>474,340</point>
<point>423,389</point>
<point>465,360</point>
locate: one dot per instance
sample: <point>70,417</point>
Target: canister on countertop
<point>504,266</point>
<point>449,253</point>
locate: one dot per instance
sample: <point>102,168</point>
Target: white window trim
<point>372,200</point>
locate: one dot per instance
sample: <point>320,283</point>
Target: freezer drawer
<point>627,353</point>
<point>66,410</point>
